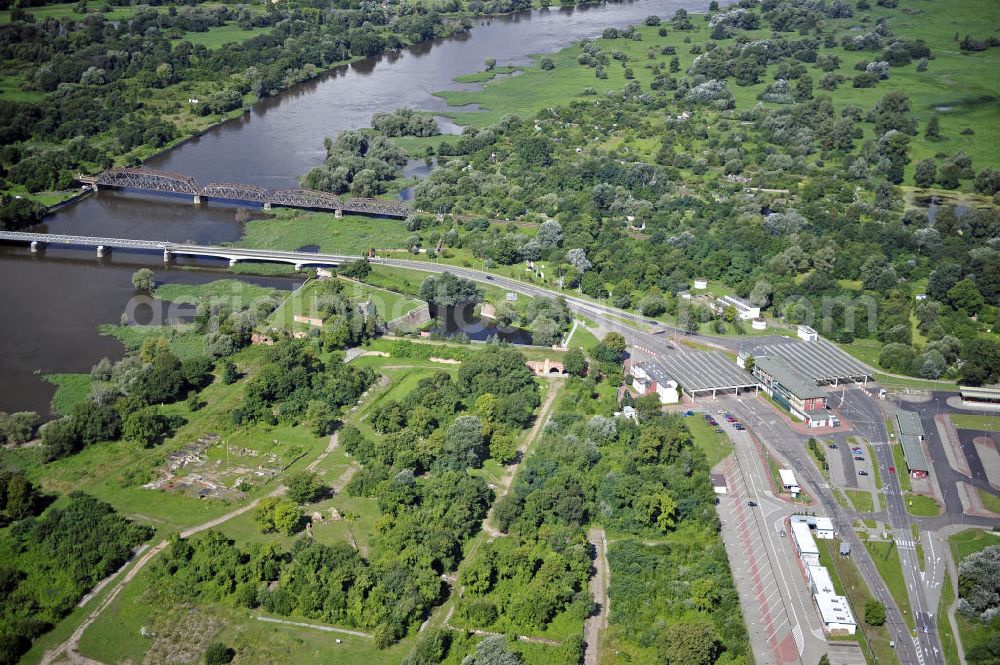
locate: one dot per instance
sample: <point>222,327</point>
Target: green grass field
<point>899,459</point>
<point>847,581</point>
<point>947,636</point>
<point>229,291</point>
<point>215,37</point>
<point>583,339</point>
<point>72,389</point>
<point>66,9</point>
<point>862,500</point>
<point>351,235</point>
<point>482,77</point>
<point>970,541</point>
<point>886,560</point>
<point>989,422</point>
<point>715,446</point>
<point>183,341</point>
<point>922,506</point>
<point>990,501</point>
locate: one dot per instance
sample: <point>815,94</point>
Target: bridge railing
<point>150,180</point>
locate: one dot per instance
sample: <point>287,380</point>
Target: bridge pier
<point>197,199</point>
<point>267,205</point>
<point>233,262</point>
<point>338,213</point>
<point>167,255</point>
<point>299,266</point>
<point>35,245</point>
<point>100,251</point>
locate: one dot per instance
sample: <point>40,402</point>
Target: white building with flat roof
<point>824,528</point>
<point>788,482</point>
<point>744,309</point>
<point>819,579</point>
<point>804,544</point>
<point>835,613</point>
<point>807,334</point>
<point>649,378</point>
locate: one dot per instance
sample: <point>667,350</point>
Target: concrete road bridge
<point>168,182</point>
<point>300,260</point>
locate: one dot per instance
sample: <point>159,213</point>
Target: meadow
<point>960,87</point>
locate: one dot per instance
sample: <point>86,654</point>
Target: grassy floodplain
<point>958,85</point>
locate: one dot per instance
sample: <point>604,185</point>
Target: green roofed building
<point>911,436</point>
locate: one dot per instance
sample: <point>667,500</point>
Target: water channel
<point>52,304</point>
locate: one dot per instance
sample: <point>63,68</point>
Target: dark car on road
<point>832,446</point>
<point>751,504</point>
<point>862,473</point>
<point>859,459</point>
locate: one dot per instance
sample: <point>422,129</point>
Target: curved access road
<point>635,327</point>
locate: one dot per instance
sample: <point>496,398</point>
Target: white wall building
<point>744,309</point>
<point>824,528</point>
<point>819,579</point>
<point>807,334</point>
<point>804,544</point>
<point>788,482</point>
<point>835,613</point>
<point>701,284</point>
<point>649,378</point>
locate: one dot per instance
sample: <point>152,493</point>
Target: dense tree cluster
<point>123,398</point>
<point>428,519</point>
<point>19,497</point>
<point>295,382</point>
<point>54,560</point>
<point>404,122</point>
<point>358,163</point>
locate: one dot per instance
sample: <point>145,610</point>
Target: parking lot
<point>782,621</point>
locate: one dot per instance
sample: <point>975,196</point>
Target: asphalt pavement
<point>774,432</point>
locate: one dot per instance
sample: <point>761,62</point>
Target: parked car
<point>832,446</point>
<point>862,473</point>
<point>751,504</point>
<point>892,469</point>
<point>739,427</point>
<point>859,459</point>
<point>688,413</point>
<point>718,430</point>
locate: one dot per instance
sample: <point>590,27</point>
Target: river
<point>52,304</point>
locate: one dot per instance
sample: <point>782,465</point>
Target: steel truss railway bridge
<point>166,182</point>
<point>234,254</point>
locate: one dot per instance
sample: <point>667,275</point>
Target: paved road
<point>869,422</point>
<point>772,593</point>
<point>772,429</point>
<point>634,327</point>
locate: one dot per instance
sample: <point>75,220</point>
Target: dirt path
<point>71,646</point>
<point>330,447</point>
<point>508,477</point>
<point>315,626</point>
<point>597,623</point>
